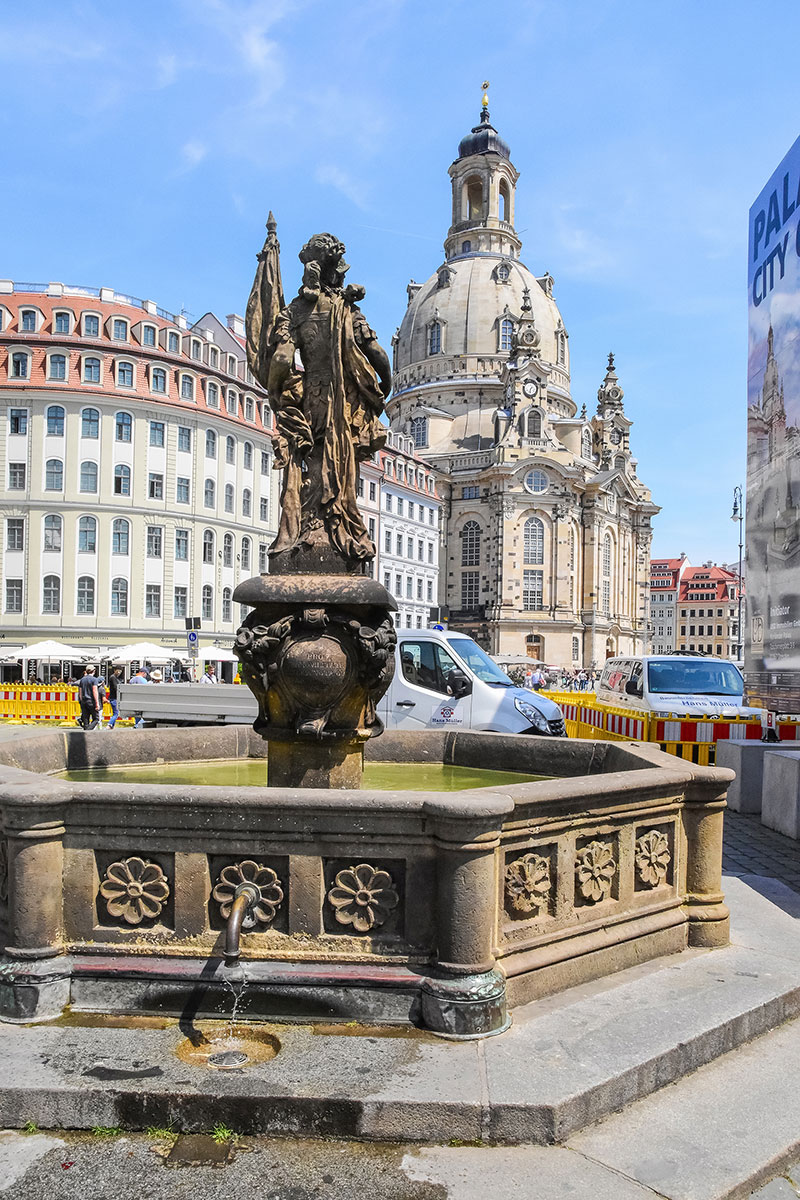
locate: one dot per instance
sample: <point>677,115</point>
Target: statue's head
<point>328,251</point>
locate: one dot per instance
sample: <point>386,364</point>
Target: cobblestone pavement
<point>749,848</point>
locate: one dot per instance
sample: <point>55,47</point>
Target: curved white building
<point>136,478</point>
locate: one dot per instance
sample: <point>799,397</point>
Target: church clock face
<point>531,388</point>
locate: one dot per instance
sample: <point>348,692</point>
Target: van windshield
<point>694,676</point>
<point>478,661</point>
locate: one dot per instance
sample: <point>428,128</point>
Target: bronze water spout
<point>247,896</point>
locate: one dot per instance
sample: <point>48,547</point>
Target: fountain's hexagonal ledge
<point>440,909</point>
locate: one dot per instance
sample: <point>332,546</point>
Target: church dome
<point>483,139</point>
<point>469,298</point>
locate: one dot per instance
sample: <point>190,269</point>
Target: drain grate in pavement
<point>198,1150</point>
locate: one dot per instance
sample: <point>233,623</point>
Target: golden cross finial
<point>485,100</point>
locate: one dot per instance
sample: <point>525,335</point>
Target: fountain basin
<point>442,909</point>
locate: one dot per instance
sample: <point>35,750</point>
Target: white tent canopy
<point>217,654</point>
<point>51,649</point>
<point>145,652</point>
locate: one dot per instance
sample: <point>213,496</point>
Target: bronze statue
<point>327,405</point>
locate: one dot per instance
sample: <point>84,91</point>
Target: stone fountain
<point>441,909</point>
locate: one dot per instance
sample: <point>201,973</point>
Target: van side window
<point>426,665</point>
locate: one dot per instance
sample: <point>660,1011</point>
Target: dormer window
<point>419,432</point>
<point>119,330</point>
<point>148,335</point>
<point>503,273</point>
<point>173,342</point>
<point>61,322</point>
<point>506,333</point>
<point>27,320</point>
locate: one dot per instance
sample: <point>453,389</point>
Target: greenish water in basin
<point>252,772</point>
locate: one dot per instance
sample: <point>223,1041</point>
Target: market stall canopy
<point>217,654</point>
<point>146,652</point>
<point>51,650</point>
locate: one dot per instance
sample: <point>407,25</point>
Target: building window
<point>213,357</point>
<point>232,405</point>
<point>54,475</point>
<point>466,247</point>
<point>51,594</point>
<point>227,606</point>
<point>506,333</point>
<point>19,365</point>
<point>187,387</point>
<point>90,423</point>
<point>152,600</point>
<point>471,544</point>
<point>471,492</point>
<point>123,427</point>
<point>155,485</point>
<point>157,433</point>
<point>28,321</point>
<point>533,423</point>
<point>419,432</point>
<point>148,335</point>
<point>211,444</point>
<point>576,649</point>
<point>435,341</point>
<point>373,491</point>
<point>387,541</point>
<point>119,597</point>
<point>533,541</point>
<point>58,366</point>
<point>429,591</point>
<point>212,395</point>
<point>124,374</point>
<point>409,587</point>
<point>231,365</point>
<point>536,481</point>
<point>228,497</point>
<point>119,330</point>
<point>158,380</point>
<point>245,553</point>
<point>55,421</point>
<point>182,490</point>
<point>91,325</point>
<point>173,343</point>
<point>263,557</point>
<point>227,550</point>
<point>120,533</point>
<point>181,545</point>
<point>13,595</point>
<point>180,602</point>
<point>532,584</point>
<point>184,439</point>
<point>248,408</point>
<point>360,487</point>
<point>122,480</point>
<point>155,541</point>
<point>265,462</point>
<point>263,508</point>
<point>247,456</point>
<point>16,476</point>
<point>87,535</point>
<point>586,445</point>
<point>387,501</point>
<point>15,533</point>
<point>208,546</point>
<point>91,370</point>
<point>207,603</point>
<point>607,554</point>
<point>85,605</point>
<point>247,502</point>
<point>209,493</point>
<point>230,450</point>
<point>399,545</point>
<point>470,590</point>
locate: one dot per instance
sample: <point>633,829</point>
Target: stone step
<point>566,1062</point>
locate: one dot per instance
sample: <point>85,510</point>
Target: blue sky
<point>144,144</point>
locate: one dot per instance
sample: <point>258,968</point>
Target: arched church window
<point>561,346</point>
<point>435,338</point>
<point>619,461</point>
<point>466,247</point>
<point>586,444</point>
<point>419,431</point>
<point>474,199</point>
<point>506,333</point>
<point>503,272</point>
<point>606,580</point>
<point>533,542</point>
<point>533,423</point>
<point>505,206</point>
<point>471,544</point>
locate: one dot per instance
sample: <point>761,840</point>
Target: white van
<point>445,680</point>
<point>682,684</point>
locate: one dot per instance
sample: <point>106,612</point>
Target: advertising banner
<point>772,632</point>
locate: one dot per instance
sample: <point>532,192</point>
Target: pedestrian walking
<point>114,680</point>
<point>210,675</point>
<point>139,677</point>
<point>88,699</point>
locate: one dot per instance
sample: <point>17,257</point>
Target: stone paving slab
<point>565,1062</point>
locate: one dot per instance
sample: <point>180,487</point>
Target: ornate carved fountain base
<point>318,653</point>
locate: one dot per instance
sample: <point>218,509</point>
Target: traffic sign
<point>191,637</point>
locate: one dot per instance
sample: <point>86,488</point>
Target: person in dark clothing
<point>114,680</point>
<point>89,699</point>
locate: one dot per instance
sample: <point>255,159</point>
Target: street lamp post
<point>738,515</point>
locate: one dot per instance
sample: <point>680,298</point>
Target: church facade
<point>546,526</point>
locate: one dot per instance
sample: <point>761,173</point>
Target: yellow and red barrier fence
<point>47,702</point>
<point>692,738</point>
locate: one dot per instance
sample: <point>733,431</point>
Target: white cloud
<point>335,177</point>
<point>193,153</point>
<point>166,70</point>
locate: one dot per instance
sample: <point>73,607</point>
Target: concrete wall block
<point>780,803</point>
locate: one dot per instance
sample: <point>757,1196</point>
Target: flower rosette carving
<point>595,868</point>
<point>652,857</point>
<point>134,890</point>
<point>528,884</point>
<point>363,897</point>
<point>263,878</point>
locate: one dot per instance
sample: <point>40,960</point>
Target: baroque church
<point>546,526</point>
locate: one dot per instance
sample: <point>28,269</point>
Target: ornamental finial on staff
<point>485,100</point>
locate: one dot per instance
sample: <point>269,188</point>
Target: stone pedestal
<point>318,653</point>
<point>747,760</point>
<point>780,807</point>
